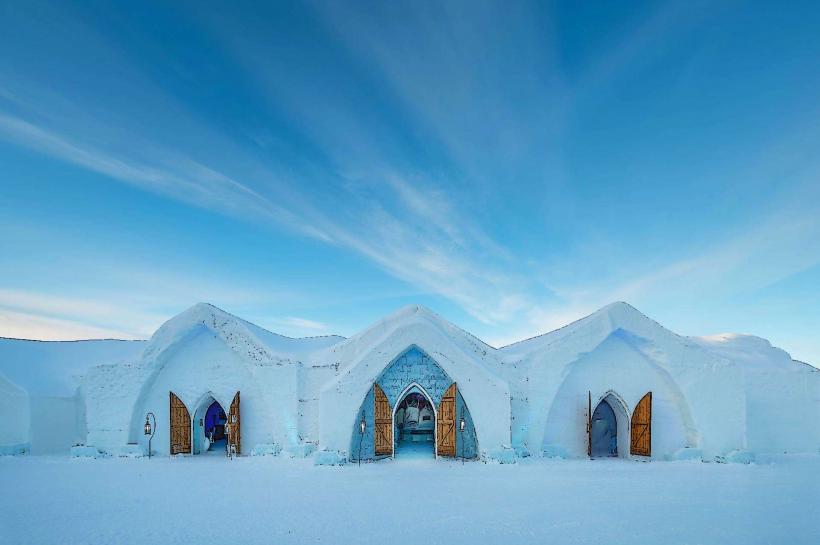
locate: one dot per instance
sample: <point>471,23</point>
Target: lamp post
<point>362,427</point>
<point>461,425</point>
<point>228,440</point>
<point>150,430</point>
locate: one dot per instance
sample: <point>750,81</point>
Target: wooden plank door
<point>383,417</point>
<point>235,429</point>
<point>180,426</point>
<point>446,423</point>
<point>641,440</point>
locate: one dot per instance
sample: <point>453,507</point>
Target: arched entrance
<point>608,428</point>
<point>413,409</point>
<point>414,422</point>
<point>604,432</point>
<point>209,431</point>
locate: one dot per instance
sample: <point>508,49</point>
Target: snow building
<point>612,384</point>
<point>40,400</point>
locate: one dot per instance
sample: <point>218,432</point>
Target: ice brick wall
<point>414,366</point>
<point>364,444</point>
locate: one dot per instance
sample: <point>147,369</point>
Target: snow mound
<point>54,368</point>
<point>246,339</point>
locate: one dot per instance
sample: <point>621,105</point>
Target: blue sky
<point>313,166</point>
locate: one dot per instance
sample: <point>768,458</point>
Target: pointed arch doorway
<point>414,420</point>
<point>413,403</point>
<point>211,430</point>
<point>608,427</point>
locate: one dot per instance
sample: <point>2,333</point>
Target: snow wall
<point>461,357</point>
<point>711,395</point>
<point>205,367</point>
<point>698,397</point>
<point>782,396</point>
<point>14,406</point>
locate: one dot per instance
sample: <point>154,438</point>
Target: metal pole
<point>361,437</point>
<point>153,431</point>
<point>461,432</point>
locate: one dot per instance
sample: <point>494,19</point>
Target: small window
<point>426,417</point>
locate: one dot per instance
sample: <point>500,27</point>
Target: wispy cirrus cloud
<point>23,325</point>
<point>424,241</point>
<point>172,175</point>
<point>428,139</point>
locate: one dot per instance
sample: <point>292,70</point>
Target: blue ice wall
<point>466,441</point>
<point>366,441</point>
<point>414,366</point>
<point>411,366</point>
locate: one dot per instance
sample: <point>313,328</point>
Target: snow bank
<point>138,502</point>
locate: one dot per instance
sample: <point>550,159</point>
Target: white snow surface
<point>274,500</point>
<point>54,368</point>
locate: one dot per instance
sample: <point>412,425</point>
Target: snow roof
<point>424,323</point>
<point>593,329</point>
<point>751,351</point>
<point>53,368</point>
<point>586,333</point>
<point>246,339</point>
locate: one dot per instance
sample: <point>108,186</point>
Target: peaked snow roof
<point>585,334</point>
<point>348,351</point>
<point>362,358</point>
<point>246,339</point>
<point>589,331</point>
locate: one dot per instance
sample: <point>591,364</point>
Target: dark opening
<point>415,426</point>
<point>604,433</point>
<point>214,425</point>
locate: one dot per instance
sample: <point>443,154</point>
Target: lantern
<point>362,427</point>
<point>461,424</point>
<point>150,430</point>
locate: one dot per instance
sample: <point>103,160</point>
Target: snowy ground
<point>417,500</point>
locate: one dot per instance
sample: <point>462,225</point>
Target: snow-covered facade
<point>725,397</point>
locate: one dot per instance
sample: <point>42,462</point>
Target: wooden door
<point>235,430</point>
<point>180,426</point>
<point>446,423</point>
<point>641,440</point>
<point>589,424</point>
<point>383,417</point>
